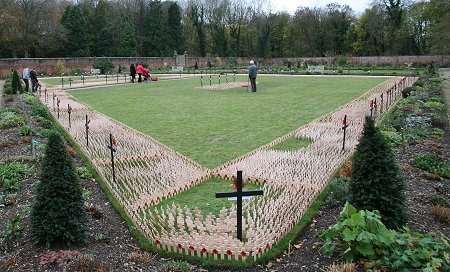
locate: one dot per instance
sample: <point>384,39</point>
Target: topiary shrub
<point>105,65</point>
<point>15,83</point>
<point>58,214</point>
<point>375,182</point>
<point>407,92</point>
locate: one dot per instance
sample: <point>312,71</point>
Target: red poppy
<point>215,251</point>
<point>204,250</point>
<point>191,248</point>
<point>179,246</point>
<point>158,242</point>
<point>229,252</point>
<point>243,254</point>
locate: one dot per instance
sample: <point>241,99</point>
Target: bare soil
<point>111,246</point>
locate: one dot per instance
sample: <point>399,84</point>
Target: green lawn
<point>205,199</point>
<point>213,127</point>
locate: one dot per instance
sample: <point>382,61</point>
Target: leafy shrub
<point>437,134</point>
<point>105,65</point>
<point>361,235</point>
<point>12,231</point>
<point>338,193</point>
<point>432,164</point>
<point>11,174</point>
<point>45,132</point>
<point>83,172</point>
<point>356,235</point>
<point>407,92</point>
<point>438,120</point>
<point>392,137</point>
<point>102,238</point>
<point>58,218</point>
<point>28,98</point>
<point>59,68</point>
<point>376,183</point>
<point>40,110</point>
<point>438,106</point>
<point>47,124</point>
<point>26,130</point>
<point>7,109</point>
<point>413,251</point>
<point>10,120</point>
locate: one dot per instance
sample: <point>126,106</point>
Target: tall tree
<point>58,214</point>
<point>438,14</point>
<point>376,183</point>
<point>126,44</point>
<point>197,17</point>
<point>175,28</point>
<point>78,39</point>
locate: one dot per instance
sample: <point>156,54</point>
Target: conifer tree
<point>15,83</point>
<point>376,183</point>
<point>58,214</point>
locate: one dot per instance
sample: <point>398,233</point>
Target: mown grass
<point>215,126</point>
<point>292,143</point>
<point>202,196</point>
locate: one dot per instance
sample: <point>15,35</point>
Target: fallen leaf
<point>279,260</point>
<point>269,265</point>
<point>298,246</point>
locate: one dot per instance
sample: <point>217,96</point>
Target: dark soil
<point>111,246</point>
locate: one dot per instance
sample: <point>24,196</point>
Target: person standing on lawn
<point>139,70</point>
<point>26,78</point>
<point>132,72</point>
<point>34,80</point>
<point>252,75</point>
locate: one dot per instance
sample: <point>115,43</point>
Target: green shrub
<point>26,130</point>
<point>40,110</point>
<point>438,200</point>
<point>439,120</point>
<point>59,68</point>
<point>105,65</point>
<point>45,132</point>
<point>28,98</point>
<point>392,137</point>
<point>361,235</point>
<point>11,232</point>
<point>12,174</point>
<point>338,192</point>
<point>58,218</point>
<point>407,92</point>
<point>413,251</point>
<point>83,172</point>
<point>376,183</point>
<point>438,106</point>
<point>357,235</point>
<point>10,120</point>
<point>76,71</point>
<point>7,109</point>
<point>16,85</point>
<point>176,266</point>
<point>47,124</point>
<point>437,134</point>
<point>432,164</point>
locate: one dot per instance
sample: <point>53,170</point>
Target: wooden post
<point>344,127</point>
<point>69,111</point>
<point>87,130</point>
<point>112,143</point>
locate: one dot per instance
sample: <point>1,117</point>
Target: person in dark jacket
<point>34,80</point>
<point>252,75</point>
<point>132,72</point>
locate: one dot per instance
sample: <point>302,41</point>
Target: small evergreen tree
<point>376,183</point>
<point>58,214</point>
<point>15,83</point>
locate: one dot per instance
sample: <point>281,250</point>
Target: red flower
<point>267,245</point>
<point>260,250</point>
<point>158,242</point>
<point>191,248</point>
<point>229,252</point>
<point>204,250</point>
<point>215,251</point>
<point>179,246</point>
<point>243,253</point>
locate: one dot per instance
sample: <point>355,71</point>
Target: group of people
<point>141,71</point>
<point>27,75</point>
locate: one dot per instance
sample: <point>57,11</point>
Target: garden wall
<point>46,65</point>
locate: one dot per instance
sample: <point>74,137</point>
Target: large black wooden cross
<point>239,194</point>
<point>112,144</point>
